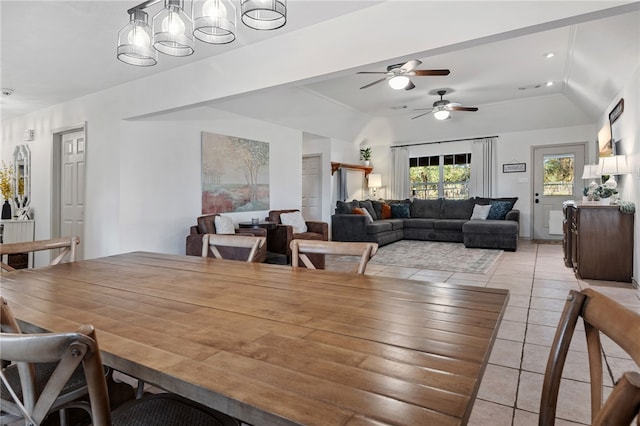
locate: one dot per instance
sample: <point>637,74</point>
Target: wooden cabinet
<point>598,242</point>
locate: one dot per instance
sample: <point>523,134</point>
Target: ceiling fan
<point>442,107</point>
<point>398,75</point>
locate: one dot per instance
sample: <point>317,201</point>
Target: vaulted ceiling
<point>65,50</point>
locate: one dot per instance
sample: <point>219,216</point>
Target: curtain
<point>482,168</point>
<point>399,179</point>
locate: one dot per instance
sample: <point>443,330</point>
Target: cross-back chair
<point>600,315</point>
<point>211,241</point>
<point>66,244</point>
<point>68,351</point>
<point>301,248</point>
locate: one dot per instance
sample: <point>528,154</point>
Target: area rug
<point>434,255</point>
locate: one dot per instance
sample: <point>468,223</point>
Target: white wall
<point>143,178</point>
<point>627,130</point>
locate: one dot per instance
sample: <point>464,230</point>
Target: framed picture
<point>514,168</point>
<point>617,110</point>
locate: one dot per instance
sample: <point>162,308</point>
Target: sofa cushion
<point>224,225</point>
<point>480,212</point>
<point>377,207</point>
<point>364,212</point>
<point>429,209</point>
<point>499,209</point>
<point>401,210</point>
<point>457,209</point>
<point>386,212</point>
<point>487,201</point>
<point>449,224</point>
<point>295,220</point>
<point>378,226</point>
<point>491,227</point>
<point>346,207</point>
<point>419,223</point>
<point>366,204</point>
<point>396,223</point>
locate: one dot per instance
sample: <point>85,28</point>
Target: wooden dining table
<point>273,345</point>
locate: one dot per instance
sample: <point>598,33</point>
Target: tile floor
<point>538,283</point>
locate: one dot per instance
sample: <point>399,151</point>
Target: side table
<point>262,224</point>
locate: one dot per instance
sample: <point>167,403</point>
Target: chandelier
<point>173,29</point>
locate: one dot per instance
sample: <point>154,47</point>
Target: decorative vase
<point>6,210</point>
<point>367,162</point>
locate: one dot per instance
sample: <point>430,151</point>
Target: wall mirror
<point>22,177</point>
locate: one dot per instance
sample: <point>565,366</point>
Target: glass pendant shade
<point>441,114</point>
<point>214,21</point>
<point>264,14</point>
<point>173,30</point>
<point>399,82</point>
<point>134,41</point>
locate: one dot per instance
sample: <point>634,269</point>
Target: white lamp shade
<point>173,30</point>
<point>264,14</point>
<point>590,171</point>
<point>375,180</point>
<point>614,165</point>
<point>441,114</point>
<point>399,82</point>
<point>134,41</point>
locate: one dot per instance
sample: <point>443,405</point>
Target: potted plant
<point>365,155</point>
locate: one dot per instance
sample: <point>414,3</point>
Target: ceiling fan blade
<point>410,85</point>
<point>410,65</point>
<point>461,108</point>
<point>424,113</point>
<point>371,72</point>
<point>431,72</point>
<point>375,82</point>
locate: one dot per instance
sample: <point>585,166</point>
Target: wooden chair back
<point>600,315</point>
<point>66,244</point>
<point>300,249</point>
<point>69,350</point>
<point>210,241</point>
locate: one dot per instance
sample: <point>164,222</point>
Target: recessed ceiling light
<point>549,83</point>
<point>549,55</point>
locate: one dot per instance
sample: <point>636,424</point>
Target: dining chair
<point>80,349</point>
<point>66,244</point>
<point>601,315</point>
<point>301,248</point>
<point>211,241</point>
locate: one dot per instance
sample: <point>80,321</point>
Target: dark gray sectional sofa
<point>430,220</point>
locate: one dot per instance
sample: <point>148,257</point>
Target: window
<point>558,175</point>
<point>440,176</point>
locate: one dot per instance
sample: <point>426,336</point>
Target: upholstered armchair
<point>279,239</point>
<point>206,225</point>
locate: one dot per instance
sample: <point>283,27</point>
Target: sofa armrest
<point>194,230</point>
<point>513,215</point>
<point>318,228</point>
<point>348,227</point>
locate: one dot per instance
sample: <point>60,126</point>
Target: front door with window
<point>556,178</point>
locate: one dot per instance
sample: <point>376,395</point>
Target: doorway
<point>312,187</point>
<point>68,192</point>
<point>556,178</point>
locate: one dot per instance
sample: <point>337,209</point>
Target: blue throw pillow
<point>499,209</point>
<point>400,210</point>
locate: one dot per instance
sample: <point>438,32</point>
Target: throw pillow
<point>399,210</point>
<point>295,220</point>
<point>386,211</point>
<point>499,209</point>
<point>362,211</point>
<point>224,225</point>
<point>366,204</point>
<point>480,212</point>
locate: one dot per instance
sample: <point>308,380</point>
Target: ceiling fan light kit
<point>397,75</point>
<point>441,108</point>
<point>399,82</point>
<point>440,113</point>
<point>211,21</point>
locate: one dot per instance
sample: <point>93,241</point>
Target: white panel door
<point>72,191</point>
<point>312,187</point>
